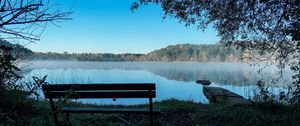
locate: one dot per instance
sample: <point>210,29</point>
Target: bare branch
<point>16,16</point>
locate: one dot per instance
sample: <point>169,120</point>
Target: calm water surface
<point>173,80</point>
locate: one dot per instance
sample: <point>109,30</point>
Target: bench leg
<point>55,119</point>
<point>54,112</point>
<point>68,117</point>
<point>151,111</point>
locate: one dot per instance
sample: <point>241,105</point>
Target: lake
<point>173,79</point>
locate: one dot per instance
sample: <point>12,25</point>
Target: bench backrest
<point>107,90</point>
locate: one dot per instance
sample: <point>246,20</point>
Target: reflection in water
<point>173,80</point>
<point>226,73</point>
<point>238,75</point>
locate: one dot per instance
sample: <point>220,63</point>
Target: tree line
<point>172,53</point>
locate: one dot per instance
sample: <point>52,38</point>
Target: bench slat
<point>97,94</point>
<point>108,110</point>
<point>103,86</point>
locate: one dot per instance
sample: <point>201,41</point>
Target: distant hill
<point>172,53</point>
<point>17,49</point>
<point>197,53</point>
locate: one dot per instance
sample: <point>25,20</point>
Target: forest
<point>172,53</point>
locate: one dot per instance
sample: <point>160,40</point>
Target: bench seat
<point>108,110</point>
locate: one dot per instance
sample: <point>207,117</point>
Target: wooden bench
<point>120,90</point>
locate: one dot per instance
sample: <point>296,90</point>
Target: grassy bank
<point>16,110</point>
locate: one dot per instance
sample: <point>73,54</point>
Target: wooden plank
<point>102,86</point>
<point>99,94</point>
<point>108,110</point>
<point>218,91</point>
<point>217,94</point>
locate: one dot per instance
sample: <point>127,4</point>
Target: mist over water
<point>173,79</point>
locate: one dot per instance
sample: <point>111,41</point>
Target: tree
<point>9,73</point>
<point>26,19</point>
<point>270,28</point>
<point>266,25</point>
<point>237,20</point>
<point>20,20</point>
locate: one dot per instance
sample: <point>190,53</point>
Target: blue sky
<point>108,26</point>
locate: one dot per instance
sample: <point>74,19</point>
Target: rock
<point>203,82</point>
